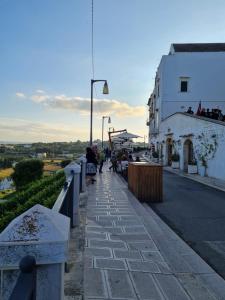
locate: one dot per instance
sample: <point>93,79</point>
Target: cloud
<point>26,130</point>
<point>40,91</point>
<point>82,105</point>
<point>20,95</point>
<point>40,98</point>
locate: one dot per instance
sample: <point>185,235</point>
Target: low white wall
<point>180,127</point>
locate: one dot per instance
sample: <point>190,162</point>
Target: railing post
<point>44,234</point>
<point>83,162</point>
<point>75,169</point>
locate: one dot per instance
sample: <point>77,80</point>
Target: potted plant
<point>155,156</point>
<point>192,167</point>
<point>175,161</point>
<point>202,166</point>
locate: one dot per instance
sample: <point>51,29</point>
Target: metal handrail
<point>25,288</point>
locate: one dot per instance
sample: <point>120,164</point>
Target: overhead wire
<point>92,50</point>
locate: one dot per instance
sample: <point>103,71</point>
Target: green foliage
<point>44,192</point>
<point>175,157</point>
<point>27,171</point>
<point>6,162</point>
<point>65,162</point>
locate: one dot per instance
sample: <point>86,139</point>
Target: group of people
<point>97,158</point>
<point>214,113</point>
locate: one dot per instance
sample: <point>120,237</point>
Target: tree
<point>27,171</point>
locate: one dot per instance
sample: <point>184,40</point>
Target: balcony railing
<point>36,243</point>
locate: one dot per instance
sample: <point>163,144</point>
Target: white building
<point>190,73</point>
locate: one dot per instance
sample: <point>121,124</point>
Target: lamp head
<point>105,88</point>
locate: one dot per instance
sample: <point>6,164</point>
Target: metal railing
<point>25,288</point>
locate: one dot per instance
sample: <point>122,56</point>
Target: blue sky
<point>45,61</point>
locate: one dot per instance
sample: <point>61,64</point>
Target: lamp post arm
<point>99,80</point>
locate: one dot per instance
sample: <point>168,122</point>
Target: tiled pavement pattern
<point>131,254</point>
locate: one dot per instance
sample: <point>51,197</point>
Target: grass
<point>5,173</point>
<point>51,167</point>
<point>5,193</point>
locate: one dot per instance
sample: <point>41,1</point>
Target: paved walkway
<point>131,254</point>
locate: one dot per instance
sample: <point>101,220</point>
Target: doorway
<point>188,154</point>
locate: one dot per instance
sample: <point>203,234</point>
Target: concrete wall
<point>180,127</point>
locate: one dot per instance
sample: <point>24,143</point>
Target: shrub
<point>27,171</point>
<point>175,157</point>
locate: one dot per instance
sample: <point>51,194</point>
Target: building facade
<point>190,74</point>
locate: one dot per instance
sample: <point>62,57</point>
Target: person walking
<point>101,160</point>
<point>92,163</point>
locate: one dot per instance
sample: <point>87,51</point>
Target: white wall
<point>207,81</point>
<point>180,124</point>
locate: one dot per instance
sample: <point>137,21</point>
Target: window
<point>183,84</point>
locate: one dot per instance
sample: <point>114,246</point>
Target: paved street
<point>131,253</point>
<point>197,213</point>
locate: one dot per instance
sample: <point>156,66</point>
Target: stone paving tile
<point>135,229</point>
<point>96,235</point>
<point>104,229</point>
<point>129,237</point>
<point>152,255</point>
<point>98,252</point>
<point>127,254</point>
<point>163,267</point>
<point>145,286</point>
<point>119,285</point>
<point>143,246</point>
<point>100,223</point>
<point>143,266</point>
<point>95,284</point>
<point>128,223</point>
<point>116,264</point>
<point>108,218</point>
<point>125,217</point>
<point>171,288</point>
<point>124,213</point>
<point>107,244</point>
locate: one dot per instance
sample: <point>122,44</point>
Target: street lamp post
<point>109,121</point>
<point>105,91</point>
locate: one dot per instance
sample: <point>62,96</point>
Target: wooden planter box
<point>192,169</point>
<point>145,181</point>
<point>175,164</point>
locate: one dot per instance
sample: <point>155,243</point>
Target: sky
<point>46,66</point>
